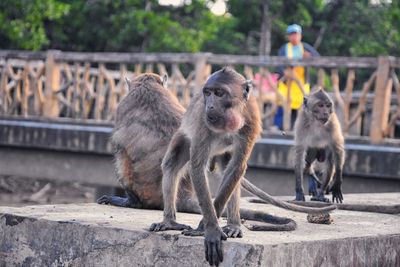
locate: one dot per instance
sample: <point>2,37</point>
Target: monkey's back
<point>146,119</point>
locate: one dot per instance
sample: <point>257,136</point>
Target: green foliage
<point>22,22</point>
<point>343,28</point>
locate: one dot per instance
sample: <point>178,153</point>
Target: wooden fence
<point>90,85</point>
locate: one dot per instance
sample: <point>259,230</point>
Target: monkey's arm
<point>336,189</point>
<point>298,172</point>
<point>213,234</point>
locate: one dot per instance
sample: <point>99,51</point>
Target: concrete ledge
<point>94,235</point>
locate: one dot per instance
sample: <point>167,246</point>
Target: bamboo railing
<point>90,85</point>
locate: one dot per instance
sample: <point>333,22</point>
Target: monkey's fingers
<point>163,226</point>
<point>237,233</point>
<point>104,200</point>
<point>213,252</point>
<point>192,232</point>
<point>180,226</point>
<point>337,196</point>
<point>232,231</point>
<point>155,227</point>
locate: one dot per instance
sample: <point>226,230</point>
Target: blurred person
<point>295,49</point>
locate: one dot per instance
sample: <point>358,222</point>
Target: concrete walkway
<point>99,235</point>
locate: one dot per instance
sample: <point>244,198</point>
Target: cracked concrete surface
<point>99,235</point>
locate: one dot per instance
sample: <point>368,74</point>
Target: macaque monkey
<point>318,138</point>
<point>222,120</point>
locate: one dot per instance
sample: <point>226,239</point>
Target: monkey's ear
<point>247,89</point>
<point>305,99</point>
<point>128,81</point>
<point>165,80</point>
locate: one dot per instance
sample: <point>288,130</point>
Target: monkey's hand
<point>336,190</point>
<point>232,231</point>
<point>168,225</point>
<point>213,245</point>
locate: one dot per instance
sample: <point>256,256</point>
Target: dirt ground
<point>21,191</point>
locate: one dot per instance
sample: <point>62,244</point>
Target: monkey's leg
<point>124,173</point>
<point>175,159</point>
<point>298,173</point>
<point>233,227</point>
<point>336,189</point>
<point>303,162</point>
<point>187,201</point>
<point>313,183</point>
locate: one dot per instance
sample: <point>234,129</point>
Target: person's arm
<point>311,50</point>
<point>281,53</point>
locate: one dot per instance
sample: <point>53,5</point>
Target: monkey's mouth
<point>212,119</point>
<point>324,120</point>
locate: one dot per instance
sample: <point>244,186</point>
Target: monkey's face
<point>221,113</point>
<point>322,111</point>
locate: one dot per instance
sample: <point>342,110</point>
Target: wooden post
<point>200,70</point>
<point>52,85</point>
<point>321,77</point>
<point>287,110</point>
<point>381,105</point>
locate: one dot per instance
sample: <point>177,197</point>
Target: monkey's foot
<point>118,201</point>
<point>300,197</point>
<point>193,232</point>
<point>232,231</point>
<point>171,225</point>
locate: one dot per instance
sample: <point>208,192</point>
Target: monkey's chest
<point>319,139</point>
<point>223,145</point>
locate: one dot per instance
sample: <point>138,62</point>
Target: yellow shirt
<point>299,72</point>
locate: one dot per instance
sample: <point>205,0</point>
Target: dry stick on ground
<point>40,194</point>
<point>363,101</point>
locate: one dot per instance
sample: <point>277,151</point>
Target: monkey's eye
<point>206,92</point>
<point>218,92</point>
<point>329,105</point>
<point>320,105</point>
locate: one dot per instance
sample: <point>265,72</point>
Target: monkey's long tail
<point>387,209</point>
<point>251,188</point>
<point>268,222</point>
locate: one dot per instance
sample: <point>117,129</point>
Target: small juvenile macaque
<point>222,121</point>
<point>319,138</point>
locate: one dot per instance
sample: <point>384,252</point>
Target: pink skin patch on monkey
<point>234,121</point>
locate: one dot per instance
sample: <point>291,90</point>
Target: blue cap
<point>293,28</point>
